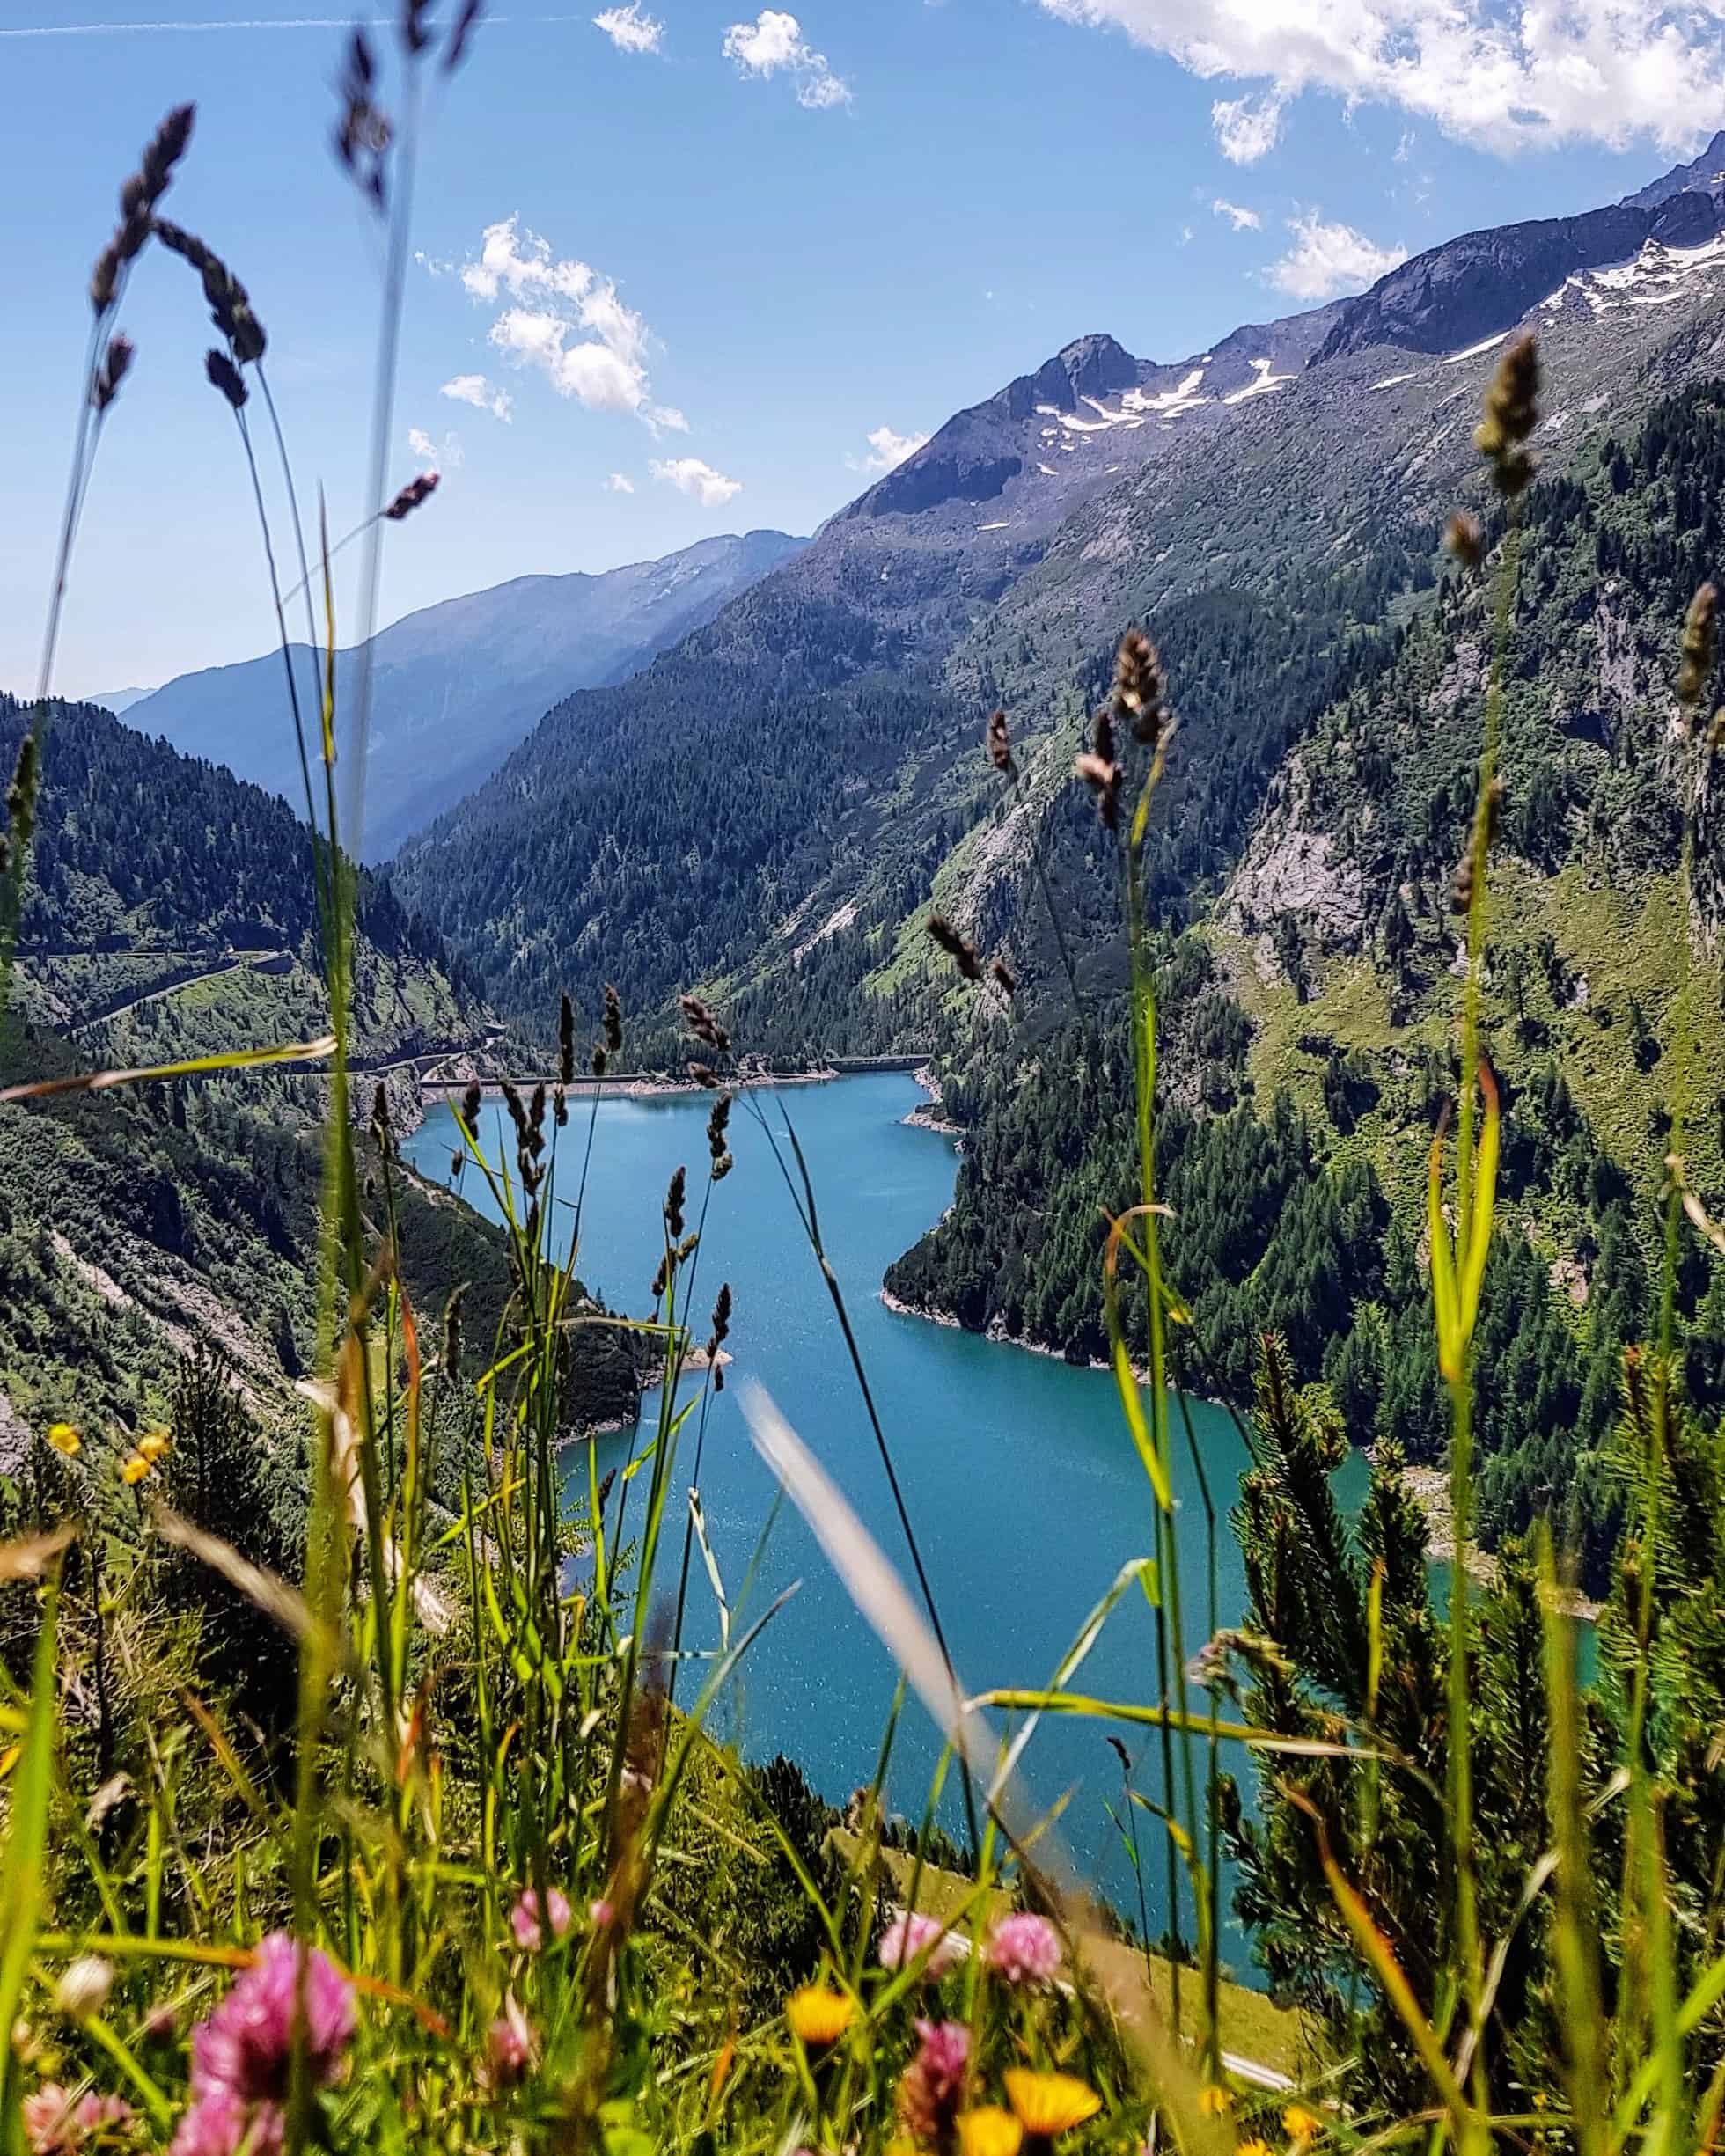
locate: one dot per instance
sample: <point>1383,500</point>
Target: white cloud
<point>1242,220</point>
<point>620,482</point>
<point>773,41</point>
<point>1505,74</point>
<point>1247,128</point>
<point>429,454</point>
<point>691,476</point>
<point>629,30</point>
<point>1327,260</point>
<point>474,389</point>
<point>570,324</point>
<point>886,448</point>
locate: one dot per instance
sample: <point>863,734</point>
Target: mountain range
<point>769,809</point>
<point>824,721</point>
<point>770,813</point>
<point>456,686</point>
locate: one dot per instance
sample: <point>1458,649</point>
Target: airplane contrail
<point>98,30</point>
<point>279,22</point>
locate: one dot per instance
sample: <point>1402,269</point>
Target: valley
<point>934,1363</point>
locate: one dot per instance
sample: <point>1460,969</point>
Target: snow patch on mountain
<point>1264,377</point>
<point>1655,276</point>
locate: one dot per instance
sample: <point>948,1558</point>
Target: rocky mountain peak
<point>1703,174</point>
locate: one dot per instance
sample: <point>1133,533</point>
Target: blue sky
<point>711,261</point>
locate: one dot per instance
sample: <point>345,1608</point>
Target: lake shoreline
<point>926,1116</point>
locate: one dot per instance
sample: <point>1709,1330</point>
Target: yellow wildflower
<point>989,2130</point>
<point>1299,2124</point>
<point>1049,2104</point>
<point>133,1467</point>
<point>1214,2102</point>
<point>155,1446</point>
<point>819,2016</point>
<point>64,1438</point>
<point>1254,2147</point>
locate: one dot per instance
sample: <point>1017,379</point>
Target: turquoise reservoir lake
<point>1019,1472</point>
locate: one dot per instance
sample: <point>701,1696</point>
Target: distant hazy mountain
<point>117,701</point>
<point>456,687</point>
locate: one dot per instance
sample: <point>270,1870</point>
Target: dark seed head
<point>1464,538</point>
<point>1102,775</point>
<point>412,494</point>
<point>673,1201</point>
<point>705,1027</point>
<point>116,363</point>
<point>167,147</point>
<point>1138,689</point>
<point>104,278</point>
<point>225,377</point>
<point>1003,980</point>
<point>565,1041</point>
<point>717,1124</point>
<point>470,1104</point>
<point>1000,746</point>
<point>961,954</point>
<point>613,1019</point>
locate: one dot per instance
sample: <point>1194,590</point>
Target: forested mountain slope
<point>770,809</point>
<point>170,911</point>
<point>1312,1019</point>
<point>455,686</point>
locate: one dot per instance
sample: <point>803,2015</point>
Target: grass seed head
<point>705,1027</point>
<point>1139,691</point>
<point>999,741</point>
<point>415,493</point>
<point>1512,413</point>
<point>116,365</point>
<point>1700,645</point>
<point>1464,538</point>
<point>962,953</point>
<point>225,377</point>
